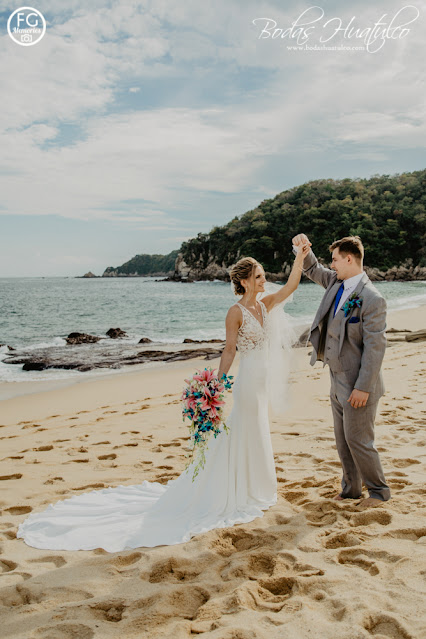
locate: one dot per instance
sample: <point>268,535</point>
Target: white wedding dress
<point>236,485</point>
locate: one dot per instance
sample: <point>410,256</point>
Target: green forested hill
<point>387,212</point>
<point>144,265</point>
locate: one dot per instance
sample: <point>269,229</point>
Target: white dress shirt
<point>349,286</point>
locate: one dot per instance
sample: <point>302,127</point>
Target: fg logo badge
<point>26,26</point>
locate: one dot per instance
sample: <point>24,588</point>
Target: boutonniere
<point>351,302</point>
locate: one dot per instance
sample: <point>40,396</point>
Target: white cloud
<point>313,102</point>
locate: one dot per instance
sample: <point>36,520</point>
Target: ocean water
<point>38,312</point>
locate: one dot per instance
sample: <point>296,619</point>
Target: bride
<point>238,481</point>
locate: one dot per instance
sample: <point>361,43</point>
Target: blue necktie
<point>338,296</point>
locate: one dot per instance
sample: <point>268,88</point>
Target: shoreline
<point>17,392</point>
<point>402,319</point>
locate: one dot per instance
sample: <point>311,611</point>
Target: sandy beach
<point>311,567</point>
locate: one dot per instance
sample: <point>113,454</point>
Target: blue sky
<point>132,126</point>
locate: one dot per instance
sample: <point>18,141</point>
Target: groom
<point>348,334</point>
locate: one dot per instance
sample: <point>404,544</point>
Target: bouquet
<point>202,404</point>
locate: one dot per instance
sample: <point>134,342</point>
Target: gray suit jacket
<point>362,343</point>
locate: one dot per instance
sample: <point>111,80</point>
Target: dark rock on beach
<point>393,335</point>
<point>81,338</point>
<point>188,340</point>
<point>35,366</point>
<point>303,339</point>
<point>145,340</point>
<point>106,354</point>
<point>416,336</point>
<point>115,333</point>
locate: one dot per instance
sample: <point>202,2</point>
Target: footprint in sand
<point>257,564</point>
<point>108,456</point>
<point>403,463</point>
<point>320,513</point>
<point>369,517</point>
<point>36,592</point>
<point>172,570</point>
<point>126,560</point>
<point>53,479</point>
<point>230,541</point>
<point>180,601</point>
<point>10,534</point>
<point>65,631</point>
<point>164,478</point>
<point>87,486</point>
<point>281,587</point>
<point>109,610</point>
<point>408,533</point>
<point>13,476</point>
<point>297,497</point>
<point>386,625</point>
<point>342,540</point>
<point>57,560</point>
<point>357,558</point>
<point>18,510</point>
<point>6,565</point>
<point>399,484</point>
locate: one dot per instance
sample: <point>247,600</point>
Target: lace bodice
<point>251,335</point>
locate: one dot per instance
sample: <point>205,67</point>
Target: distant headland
<point>387,212</point>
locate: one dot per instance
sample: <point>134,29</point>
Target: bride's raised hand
<point>302,251</point>
<point>293,281</point>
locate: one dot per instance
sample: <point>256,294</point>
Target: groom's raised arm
<point>311,267</point>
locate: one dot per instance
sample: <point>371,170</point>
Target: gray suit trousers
<point>354,432</point>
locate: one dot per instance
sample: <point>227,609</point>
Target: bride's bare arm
<point>292,283</point>
<point>233,322</point>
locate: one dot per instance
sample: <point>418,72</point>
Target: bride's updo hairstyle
<point>242,270</point>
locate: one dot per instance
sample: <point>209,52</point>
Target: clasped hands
<point>301,240</point>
